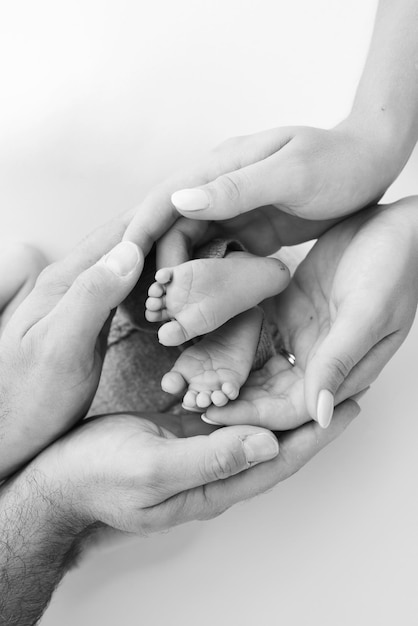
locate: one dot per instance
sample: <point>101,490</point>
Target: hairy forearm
<point>38,542</point>
<point>386,102</point>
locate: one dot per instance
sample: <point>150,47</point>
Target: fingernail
<point>358,396</point>
<point>190,200</point>
<point>123,259</point>
<point>208,421</point>
<point>261,447</point>
<point>325,408</point>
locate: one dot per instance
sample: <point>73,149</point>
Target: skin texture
<point>20,266</point>
<point>51,351</point>
<point>287,185</point>
<point>303,165</point>
<point>135,475</point>
<point>201,295</point>
<point>348,308</point>
<point>215,368</point>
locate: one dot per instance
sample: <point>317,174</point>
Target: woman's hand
<point>52,348</point>
<point>138,476</point>
<point>347,310</point>
<point>277,187</point>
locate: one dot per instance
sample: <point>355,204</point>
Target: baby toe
<point>153,316</point>
<point>231,390</point>
<point>164,275</point>
<point>172,334</point>
<point>156,290</point>
<point>154,304</point>
<point>203,400</point>
<point>189,401</point>
<point>219,398</point>
<point>173,382</point>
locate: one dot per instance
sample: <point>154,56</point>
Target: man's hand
<point>128,472</point>
<point>20,266</point>
<point>136,475</point>
<point>347,310</point>
<point>52,348</point>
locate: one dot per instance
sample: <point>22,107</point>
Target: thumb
<point>187,463</point>
<point>82,312</point>
<point>297,448</point>
<point>350,338</point>
<point>270,181</point>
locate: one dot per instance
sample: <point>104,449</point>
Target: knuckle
<point>222,463</point>
<point>340,366</point>
<point>90,285</point>
<point>52,280</point>
<point>230,188</point>
<point>48,274</point>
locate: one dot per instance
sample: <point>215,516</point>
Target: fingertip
<point>188,200</point>
<point>124,259</point>
<point>325,408</point>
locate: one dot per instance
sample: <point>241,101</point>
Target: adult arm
<point>313,173</point>
<point>304,177</point>
<point>126,472</point>
<point>38,543</point>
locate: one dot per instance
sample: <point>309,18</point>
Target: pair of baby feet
<point>217,298</point>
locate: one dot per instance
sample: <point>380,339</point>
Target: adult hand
<point>137,476</point>
<point>20,266</point>
<point>263,230</point>
<point>347,310</point>
<point>308,172</point>
<point>52,348</point>
<point>278,187</point>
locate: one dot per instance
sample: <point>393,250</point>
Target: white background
<point>100,100</point>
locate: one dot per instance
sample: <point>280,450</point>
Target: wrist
<point>62,500</point>
<point>388,145</point>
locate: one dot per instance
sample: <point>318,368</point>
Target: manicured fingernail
<point>325,408</point>
<point>123,259</point>
<point>208,421</point>
<point>190,200</point>
<point>261,447</point>
<point>358,396</point>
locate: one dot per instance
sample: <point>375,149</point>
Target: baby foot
<point>213,370</point>
<point>201,295</point>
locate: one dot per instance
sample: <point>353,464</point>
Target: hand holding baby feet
<point>214,370</point>
<point>199,296</point>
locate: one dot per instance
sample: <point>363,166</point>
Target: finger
<point>20,265</point>
<point>186,463</point>
<point>281,410</point>
<point>176,246</point>
<point>82,312</point>
<point>351,337</point>
<point>296,449</point>
<point>91,248</point>
<point>274,180</point>
<point>156,214</point>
